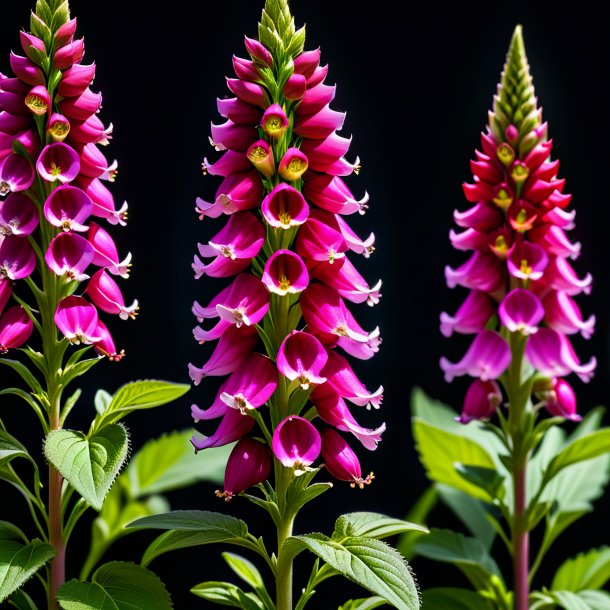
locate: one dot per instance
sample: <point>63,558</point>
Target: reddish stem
<point>520,540</point>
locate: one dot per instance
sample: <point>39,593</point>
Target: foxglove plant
<point>522,315</point>
<point>53,204</point>
<point>281,324</point>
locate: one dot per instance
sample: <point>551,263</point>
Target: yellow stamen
<point>284,218</point>
<point>284,283</point>
<point>258,153</point>
<point>525,268</point>
<point>506,154</point>
<point>503,199</point>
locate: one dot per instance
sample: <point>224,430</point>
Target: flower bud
<point>341,461</point>
<point>481,401</point>
<point>293,165</point>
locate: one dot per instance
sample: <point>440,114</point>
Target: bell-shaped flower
<point>521,311</point>
<point>482,271</point>
<point>230,136</point>
<point>38,100</point>
<point>18,215</point>
<point>81,107</point>
<point>15,328</point>
<point>360,246</point>
<point>16,174</point>
<point>296,443</point>
<point>58,127</point>
<point>26,70</point>
<point>328,318</point>
<point>58,162</point>
<point>17,258</point>
<point>105,346</point>
<point>32,45</point>
<point>106,254</point>
<point>319,125</point>
<point>77,320</point>
<point>239,111</point>
<point>341,461</point>
<point>306,63</point>
<point>561,401</point>
<point>238,192</point>
<point>75,80</point>
<point>332,409</point>
<point>293,165</point>
<point>564,315</point>
<point>229,163</point>
<point>230,351</point>
<point>487,358</point>
<point>274,122</point>
<point>107,296</point>
<point>285,273</point>
<point>481,401</point>
<point>560,275</point>
<point>344,382</point>
<point>258,51</point>
<point>69,255</point>
<point>244,301</point>
<point>232,427</point>
<point>471,317</point>
<point>233,247</point>
<point>250,93</point>
<point>249,387</point>
<point>327,155</point>
<point>302,357</point>
<point>332,194</point>
<point>261,156</point>
<point>249,464</point>
<point>93,163</point>
<point>552,354</point>
<point>527,261</point>
<point>295,87</point>
<point>284,207</point>
<point>103,201</point>
<point>69,54</point>
<point>65,33</point>
<point>318,241</point>
<point>67,208</point>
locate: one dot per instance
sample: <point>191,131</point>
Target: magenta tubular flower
<point>16,174</point>
<point>6,290</point>
<point>249,464</point>
<point>261,157</point>
<point>58,162</point>
<point>106,254</point>
<point>564,315</point>
<point>15,328</point>
<point>107,296</point>
<point>18,215</point>
<point>38,100</point>
<point>560,401</point>
<point>341,461</point>
<point>105,346</point>
<point>285,273</point>
<point>77,320</point>
<point>296,443</point>
<point>232,427</point>
<point>17,259</point>
<point>274,122</point>
<point>481,401</point>
<point>318,241</point>
<point>103,201</point>
<point>471,317</point>
<point>237,193</point>
<point>69,255</point>
<point>332,194</point>
<point>521,311</point>
<point>67,208</point>
<point>293,165</point>
<point>284,207</point>
<point>302,357</point>
<point>258,52</point>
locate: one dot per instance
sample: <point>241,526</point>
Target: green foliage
<point>227,594</point>
<point>583,600</point>
<point>372,525</point>
<point>277,31</point>
<point>116,586</point>
<point>454,599</point>
<point>366,603</point>
<point>589,570</point>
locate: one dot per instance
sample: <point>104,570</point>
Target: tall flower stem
<point>284,531</point>
<point>520,539</point>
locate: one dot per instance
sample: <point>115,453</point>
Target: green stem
<point>283,579</point>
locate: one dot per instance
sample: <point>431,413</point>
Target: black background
<point>417,83</point>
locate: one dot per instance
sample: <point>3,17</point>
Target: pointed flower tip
<point>517,46</point>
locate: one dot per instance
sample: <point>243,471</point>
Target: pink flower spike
<point>16,174</point>
<point>295,87</point>
<point>228,355</point>
<point>67,208</point>
<point>107,296</point>
<point>564,315</point>
<point>332,194</point>
<point>237,193</point>
<point>293,165</point>
<point>17,258</point>
<point>332,409</point>
<point>105,346</point>
<point>6,290</point>
<point>244,302</point>
<point>285,273</point>
<point>58,162</point>
<point>561,401</point>
<point>258,51</point>
<point>296,443</point>
<point>274,122</point>
<point>69,255</point>
<point>552,354</point>
<point>106,254</point>
<point>481,401</point>
<point>487,357</point>
<point>77,320</point>
<point>527,261</point>
<point>18,215</point>
<point>38,100</point>
<point>234,247</point>
<point>302,357</point>
<point>341,461</point>
<point>284,207</point>
<point>232,427</point>
<point>320,242</point>
<point>248,465</point>
<point>261,156</point>
<point>471,317</point>
<point>58,127</point>
<point>521,311</point>
<point>15,328</point>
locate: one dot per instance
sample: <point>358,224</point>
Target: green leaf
<point>102,400</point>
<point>468,554</point>
<point>170,462</point>
<point>227,594</point>
<point>9,531</point>
<point>596,600</point>
<point>24,373</point>
<point>22,601</point>
<point>370,563</point>
<point>245,569</point>
<point>192,528</point>
<point>590,570</point>
<point>116,586</point>
<point>364,603</point>
<point>11,448</point>
<point>487,479</point>
<point>439,451</point>
<point>78,369</point>
<point>455,599</point>
<point>569,600</point>
<point>18,562</point>
<point>90,465</point>
<point>419,512</point>
<point>372,525</point>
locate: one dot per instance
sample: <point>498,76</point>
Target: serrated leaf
<point>372,525</point>
<point>116,586</point>
<point>590,570</point>
<point>90,465</point>
<point>169,462</point>
<point>245,569</point>
<point>370,563</point>
<point>226,594</point>
<point>455,599</point>
<point>191,528</point>
<point>364,603</point>
<point>18,562</point>
<point>468,554</point>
